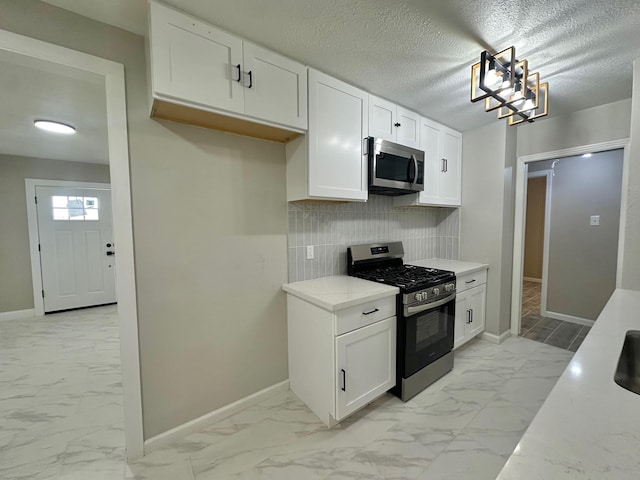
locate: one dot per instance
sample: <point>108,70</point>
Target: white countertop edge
<point>338,292</point>
<point>459,267</point>
<point>588,427</point>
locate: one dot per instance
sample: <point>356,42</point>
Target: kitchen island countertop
<point>588,427</point>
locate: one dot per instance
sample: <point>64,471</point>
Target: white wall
<point>593,125</point>
<point>209,220</point>
<point>484,219</point>
<point>631,256</point>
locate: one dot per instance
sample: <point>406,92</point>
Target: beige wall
<point>631,256</point>
<point>486,231</point>
<point>209,222</point>
<point>583,258</point>
<point>16,287</point>
<point>534,228</point>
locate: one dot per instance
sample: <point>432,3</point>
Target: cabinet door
<point>459,328</point>
<point>338,120</point>
<point>382,118</point>
<point>365,365</point>
<point>451,178</point>
<point>408,133</point>
<point>195,62</point>
<point>476,300</point>
<point>275,87</point>
<point>430,142</point>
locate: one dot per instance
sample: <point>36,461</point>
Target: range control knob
<point>436,291</point>
<point>418,296</point>
<point>448,287</point>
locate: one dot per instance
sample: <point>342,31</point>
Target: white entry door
<point>77,254</point>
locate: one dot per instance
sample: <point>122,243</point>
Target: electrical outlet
<point>595,220</point>
<point>310,252</point>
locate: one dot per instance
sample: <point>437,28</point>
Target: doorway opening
<point>569,213</point>
<point>29,53</point>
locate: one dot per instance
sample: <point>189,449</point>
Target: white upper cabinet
<point>442,167</point>
<point>197,65</point>
<point>275,87</point>
<point>329,162</point>
<point>393,123</point>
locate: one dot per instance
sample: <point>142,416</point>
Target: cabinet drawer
<point>470,280</point>
<point>364,314</point>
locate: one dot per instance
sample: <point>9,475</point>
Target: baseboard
<point>197,424</point>
<point>17,314</point>
<point>490,337</point>
<point>570,318</point>
<point>530,279</point>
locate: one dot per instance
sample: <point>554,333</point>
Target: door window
<point>74,208</point>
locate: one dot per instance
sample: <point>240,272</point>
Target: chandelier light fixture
<point>506,85</point>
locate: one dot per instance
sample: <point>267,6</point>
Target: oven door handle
<point>408,311</point>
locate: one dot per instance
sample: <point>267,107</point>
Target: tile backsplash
<point>332,227</point>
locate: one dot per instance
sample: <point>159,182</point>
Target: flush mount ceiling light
<point>55,127</point>
<point>505,84</point>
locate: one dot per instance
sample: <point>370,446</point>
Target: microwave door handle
<point>415,164</point>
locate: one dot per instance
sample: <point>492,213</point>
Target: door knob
<point>110,253</point>
<point>108,245</point>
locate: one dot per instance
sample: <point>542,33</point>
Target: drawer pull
<point>372,311</point>
<point>470,281</point>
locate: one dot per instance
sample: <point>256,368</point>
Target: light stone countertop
<point>340,291</point>
<point>456,266</point>
<point>588,427</point>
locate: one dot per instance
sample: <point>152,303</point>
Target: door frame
<point>545,242</point>
<point>118,143</point>
<point>30,185</point>
<point>520,209</point>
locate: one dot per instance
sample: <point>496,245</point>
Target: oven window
<point>430,328</point>
<point>394,167</point>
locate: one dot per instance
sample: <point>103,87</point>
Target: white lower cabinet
<point>470,307</point>
<point>335,375</point>
<point>366,365</point>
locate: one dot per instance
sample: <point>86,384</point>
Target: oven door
<point>427,334</point>
<point>394,167</point>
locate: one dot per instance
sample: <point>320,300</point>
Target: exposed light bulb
<point>54,127</point>
<point>492,79</point>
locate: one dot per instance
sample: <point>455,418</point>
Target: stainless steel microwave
<point>394,169</point>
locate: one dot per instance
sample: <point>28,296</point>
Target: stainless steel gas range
<point>425,313</point>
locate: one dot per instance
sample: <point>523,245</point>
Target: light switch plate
<point>595,220</point>
<point>310,252</point>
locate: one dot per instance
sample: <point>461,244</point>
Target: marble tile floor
<point>61,397</point>
<point>464,426</point>
<point>61,416</point>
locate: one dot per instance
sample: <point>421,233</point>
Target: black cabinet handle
<point>396,124</point>
<point>250,79</point>
<point>344,380</point>
<point>110,254</point>
<point>239,73</point>
<point>471,316</point>
<point>443,170</point>
<point>468,315</point>
<point>470,281</point>
<point>372,311</point>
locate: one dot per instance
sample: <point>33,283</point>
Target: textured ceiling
<point>33,89</point>
<point>418,53</point>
